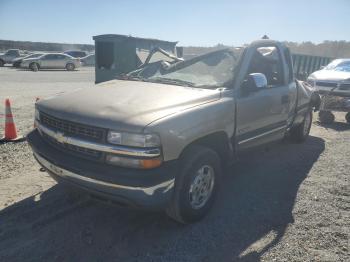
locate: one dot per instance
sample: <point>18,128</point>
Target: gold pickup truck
<point>159,137</point>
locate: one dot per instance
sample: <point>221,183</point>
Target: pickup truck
<point>9,56</point>
<point>160,137</point>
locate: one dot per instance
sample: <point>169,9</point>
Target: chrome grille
<point>344,86</point>
<point>71,128</point>
<point>76,150</point>
<point>327,84</point>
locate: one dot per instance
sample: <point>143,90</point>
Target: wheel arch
<point>217,141</point>
<point>35,62</point>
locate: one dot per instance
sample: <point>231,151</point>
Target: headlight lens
<point>311,82</point>
<point>129,139</point>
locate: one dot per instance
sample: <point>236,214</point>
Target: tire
<point>347,117</point>
<point>326,117</point>
<point>34,67</point>
<point>70,67</point>
<point>200,174</point>
<point>301,132</point>
<point>2,63</point>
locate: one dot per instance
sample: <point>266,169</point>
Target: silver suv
<point>160,138</point>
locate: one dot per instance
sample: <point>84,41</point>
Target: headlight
<point>311,82</point>
<point>130,139</point>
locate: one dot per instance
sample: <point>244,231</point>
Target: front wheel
<point>34,67</point>
<point>2,63</point>
<point>299,133</point>
<point>347,117</point>
<point>196,185</point>
<point>70,67</point>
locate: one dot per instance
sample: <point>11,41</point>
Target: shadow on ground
<point>256,203</point>
<point>337,126</point>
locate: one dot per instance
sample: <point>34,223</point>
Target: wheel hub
<point>201,187</point>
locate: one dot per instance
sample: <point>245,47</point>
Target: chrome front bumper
<point>151,188</point>
<point>58,171</point>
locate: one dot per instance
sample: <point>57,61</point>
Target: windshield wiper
<point>130,77</point>
<point>165,80</point>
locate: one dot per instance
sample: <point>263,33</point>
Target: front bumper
<point>151,189</point>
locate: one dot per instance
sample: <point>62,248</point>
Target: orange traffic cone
<point>10,127</point>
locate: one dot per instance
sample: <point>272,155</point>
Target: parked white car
<point>51,61</point>
<point>333,84</point>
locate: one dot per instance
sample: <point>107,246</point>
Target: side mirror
<point>322,67</point>
<point>255,82</point>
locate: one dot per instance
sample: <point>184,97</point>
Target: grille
<point>329,84</point>
<point>73,129</point>
<point>345,86</point>
<point>75,150</point>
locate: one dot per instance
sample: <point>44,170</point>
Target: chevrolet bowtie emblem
<point>60,137</point>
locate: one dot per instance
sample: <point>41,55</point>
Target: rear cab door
<point>61,61</point>
<point>47,61</point>
<point>263,115</point>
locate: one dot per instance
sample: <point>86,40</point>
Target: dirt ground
<point>289,202</point>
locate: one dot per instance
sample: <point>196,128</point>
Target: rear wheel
<point>326,117</point>
<point>347,117</point>
<point>70,67</point>
<point>299,133</point>
<point>196,185</point>
<point>34,67</point>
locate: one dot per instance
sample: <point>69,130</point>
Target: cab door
<point>61,61</point>
<point>47,61</point>
<point>262,113</point>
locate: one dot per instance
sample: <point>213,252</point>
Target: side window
<point>267,60</point>
<point>49,57</point>
<point>60,57</point>
<point>288,58</point>
<point>11,52</point>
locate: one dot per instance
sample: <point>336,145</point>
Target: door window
<point>60,57</point>
<point>50,57</point>
<point>267,60</point>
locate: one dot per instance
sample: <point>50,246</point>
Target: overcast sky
<point>199,23</point>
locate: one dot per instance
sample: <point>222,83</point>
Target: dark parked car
<point>76,54</point>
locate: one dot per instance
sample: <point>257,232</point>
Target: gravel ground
<point>289,202</point>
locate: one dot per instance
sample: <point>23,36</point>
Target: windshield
<point>339,65</point>
<point>211,70</point>
<point>32,56</point>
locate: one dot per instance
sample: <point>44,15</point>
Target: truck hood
<point>125,105</point>
<point>330,75</point>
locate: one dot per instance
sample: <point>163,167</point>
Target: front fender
<point>181,129</point>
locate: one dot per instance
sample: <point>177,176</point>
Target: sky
<point>196,23</point>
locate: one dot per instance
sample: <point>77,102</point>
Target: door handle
<point>285,99</point>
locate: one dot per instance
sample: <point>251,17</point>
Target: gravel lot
<point>289,202</point>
